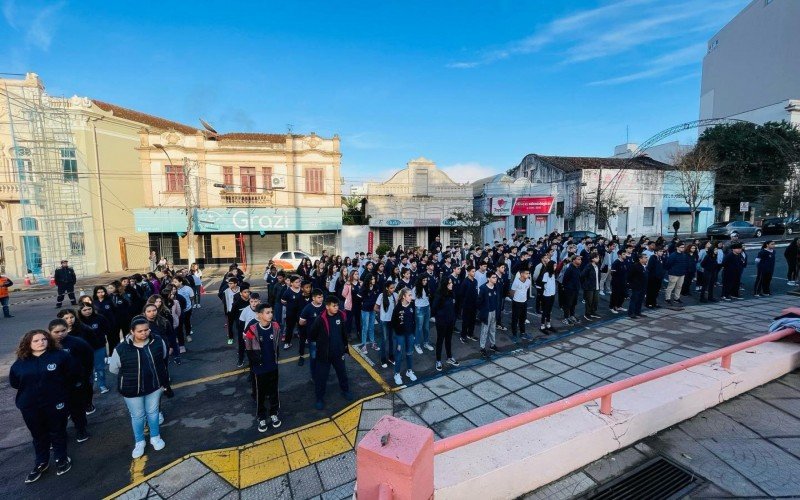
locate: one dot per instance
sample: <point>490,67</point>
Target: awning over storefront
<point>234,220</point>
<point>687,210</point>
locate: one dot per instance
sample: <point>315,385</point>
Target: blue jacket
<point>444,309</point>
<point>766,261</point>
<point>468,294</point>
<point>44,381</point>
<point>572,278</point>
<point>655,268</point>
<point>677,264</point>
<point>488,301</point>
<point>732,265</point>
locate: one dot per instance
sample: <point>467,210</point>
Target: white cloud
<point>622,28</point>
<point>661,65</point>
<point>37,24</point>
<point>469,171</point>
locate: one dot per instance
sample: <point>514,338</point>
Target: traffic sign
<point>744,206</point>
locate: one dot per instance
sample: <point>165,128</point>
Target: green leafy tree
<point>353,211</point>
<point>473,222</point>
<point>754,162</point>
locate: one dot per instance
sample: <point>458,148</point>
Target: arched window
<point>28,224</point>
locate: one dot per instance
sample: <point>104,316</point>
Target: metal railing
<point>246,199</point>
<point>603,393</point>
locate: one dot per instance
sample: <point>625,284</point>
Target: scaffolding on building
<point>45,163</point>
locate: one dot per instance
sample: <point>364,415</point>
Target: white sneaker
<point>791,283</point>
<point>398,379</point>
<point>138,450</point>
<point>158,443</point>
<point>433,320</point>
<point>418,349</point>
<point>160,417</point>
<point>527,322</point>
<point>428,346</point>
<point>410,375</point>
<point>602,293</point>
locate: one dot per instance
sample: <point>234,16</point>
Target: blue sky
<point>472,85</point>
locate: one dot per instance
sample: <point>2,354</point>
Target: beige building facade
<point>415,205</point>
<point>66,171</point>
<point>250,195</point>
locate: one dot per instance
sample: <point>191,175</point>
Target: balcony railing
<point>9,191</point>
<point>246,199</point>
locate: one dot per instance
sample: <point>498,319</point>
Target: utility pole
<point>189,197</point>
<point>597,202</point>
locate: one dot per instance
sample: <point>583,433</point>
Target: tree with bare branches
<point>694,170</point>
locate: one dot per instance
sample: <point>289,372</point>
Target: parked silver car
<point>740,228</point>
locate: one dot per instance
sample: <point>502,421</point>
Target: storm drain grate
<point>658,478</point>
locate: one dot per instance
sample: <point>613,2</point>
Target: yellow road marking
<point>218,376</point>
<point>369,369</point>
<point>137,468</point>
<point>278,454</point>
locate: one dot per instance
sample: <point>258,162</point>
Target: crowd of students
<point>129,328</point>
<point>384,303</point>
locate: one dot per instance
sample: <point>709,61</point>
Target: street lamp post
<point>188,198</point>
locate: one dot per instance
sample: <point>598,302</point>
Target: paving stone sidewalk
<point>748,447</point>
<point>483,391</point>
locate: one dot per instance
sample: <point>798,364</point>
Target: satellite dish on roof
<point>208,127</point>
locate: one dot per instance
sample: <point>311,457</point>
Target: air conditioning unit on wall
<point>278,182</point>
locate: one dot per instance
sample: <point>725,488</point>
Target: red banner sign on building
<point>370,241</point>
<point>538,205</point>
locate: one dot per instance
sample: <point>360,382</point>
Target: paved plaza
<point>318,460</point>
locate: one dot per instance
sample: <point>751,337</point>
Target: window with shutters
<point>266,177</point>
<point>314,180</point>
<point>174,174</point>
<point>248,177</point>
<point>227,177</point>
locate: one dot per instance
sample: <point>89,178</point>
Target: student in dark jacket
<point>140,362</point>
<point>571,286</point>
<point>404,326</point>
<point>488,308</point>
<point>65,280</point>
<point>655,276</point>
<point>97,331</point>
<point>444,310</point>
<point>262,338</point>
<point>468,300</point>
<point>765,267</point>
<point>637,282</point>
<point>677,266</point>
<point>590,284</point>
<point>122,306</point>
<point>104,306</point>
<point>619,277</point>
<point>328,347</point>
<point>43,376</point>
<point>83,360</point>
<point>732,267</point>
<point>710,268</point>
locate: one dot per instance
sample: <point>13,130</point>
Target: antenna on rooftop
<point>208,127</point>
<point>289,128</point>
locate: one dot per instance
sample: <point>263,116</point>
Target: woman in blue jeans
<point>423,306</point>
<point>96,329</point>
<point>404,326</point>
<point>368,295</point>
<point>384,307</point>
<point>140,363</point>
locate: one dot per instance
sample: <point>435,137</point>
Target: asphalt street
<point>212,406</point>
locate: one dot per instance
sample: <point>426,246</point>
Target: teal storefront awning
<point>687,210</point>
<point>228,220</point>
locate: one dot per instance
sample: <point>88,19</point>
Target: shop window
<point>649,216</point>
<point>456,237</point>
<point>386,236</point>
<point>409,237</point>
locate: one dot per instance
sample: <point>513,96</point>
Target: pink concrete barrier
<point>398,456</point>
<point>395,461</point>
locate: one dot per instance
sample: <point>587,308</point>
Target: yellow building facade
<point>66,171</point>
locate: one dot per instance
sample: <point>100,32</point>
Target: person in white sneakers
<point>141,383</point>
<point>405,326</point>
